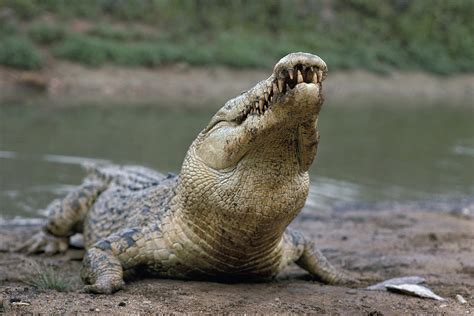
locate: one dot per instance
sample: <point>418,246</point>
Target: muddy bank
<point>181,85</point>
<point>369,245</point>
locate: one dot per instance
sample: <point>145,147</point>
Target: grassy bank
<point>432,35</point>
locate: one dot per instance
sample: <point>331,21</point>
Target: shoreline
<point>181,85</point>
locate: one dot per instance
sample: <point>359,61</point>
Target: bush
<point>95,52</point>
<point>84,50</point>
<point>19,52</point>
<point>46,34</point>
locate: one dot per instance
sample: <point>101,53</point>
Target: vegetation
<point>47,278</point>
<point>19,52</point>
<point>429,35</point>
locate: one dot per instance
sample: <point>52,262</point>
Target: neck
<point>234,220</point>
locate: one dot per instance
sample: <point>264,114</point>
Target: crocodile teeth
<point>291,73</point>
<point>275,87</point>
<point>260,104</point>
<point>281,85</point>
<point>320,75</point>
<point>300,77</point>
<point>265,95</point>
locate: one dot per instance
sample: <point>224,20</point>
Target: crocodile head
<point>253,157</point>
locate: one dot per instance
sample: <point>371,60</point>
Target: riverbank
<point>183,85</point>
<point>370,245</point>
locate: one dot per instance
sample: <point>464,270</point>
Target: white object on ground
<point>414,290</point>
<point>396,281</point>
<point>460,299</point>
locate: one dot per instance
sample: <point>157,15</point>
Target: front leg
<point>105,262</point>
<point>66,217</point>
<point>302,251</point>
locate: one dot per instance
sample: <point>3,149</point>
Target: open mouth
<point>280,83</point>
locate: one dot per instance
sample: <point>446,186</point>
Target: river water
<point>368,153</point>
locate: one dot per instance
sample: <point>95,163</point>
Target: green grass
<point>19,52</point>
<point>47,278</point>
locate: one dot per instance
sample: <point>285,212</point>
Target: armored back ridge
<point>225,216</point>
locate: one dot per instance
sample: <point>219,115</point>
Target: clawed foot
<point>44,242</point>
<point>348,281</point>
<point>104,287</point>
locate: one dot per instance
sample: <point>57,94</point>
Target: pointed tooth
<point>300,77</point>
<point>291,73</point>
<point>261,102</point>
<point>320,75</point>
<point>275,88</point>
<point>280,84</point>
<point>265,95</point>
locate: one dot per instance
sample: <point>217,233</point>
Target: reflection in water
<point>367,153</point>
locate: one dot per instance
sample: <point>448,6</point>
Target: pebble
<point>351,291</point>
<point>146,302</point>
<point>460,299</point>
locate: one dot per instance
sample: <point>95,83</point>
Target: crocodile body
<point>225,216</point>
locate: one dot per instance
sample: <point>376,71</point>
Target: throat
<point>222,247</point>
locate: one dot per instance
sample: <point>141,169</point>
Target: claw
<point>44,242</point>
<point>104,288</point>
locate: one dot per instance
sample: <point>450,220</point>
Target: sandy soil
<point>370,245</point>
<point>180,85</point>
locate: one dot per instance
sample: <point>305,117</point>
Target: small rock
<point>351,291</point>
<point>277,299</point>
<point>146,302</point>
<point>122,304</point>
<point>97,310</point>
<point>460,299</point>
<point>443,305</point>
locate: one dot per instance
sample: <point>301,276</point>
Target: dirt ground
<point>181,85</point>
<point>371,245</point>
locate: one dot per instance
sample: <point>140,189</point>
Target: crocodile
<point>225,216</point>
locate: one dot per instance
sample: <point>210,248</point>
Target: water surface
<point>368,153</point>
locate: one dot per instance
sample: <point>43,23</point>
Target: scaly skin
<point>225,216</point>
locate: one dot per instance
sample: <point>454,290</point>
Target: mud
<point>371,245</point>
